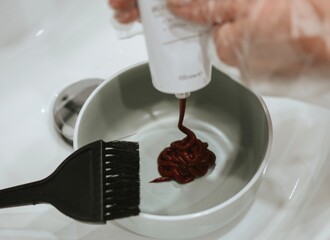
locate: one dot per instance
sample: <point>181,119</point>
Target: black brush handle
<point>25,194</point>
<point>75,187</point>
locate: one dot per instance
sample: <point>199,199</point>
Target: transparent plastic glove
<point>126,10</point>
<point>124,16</point>
<point>280,47</point>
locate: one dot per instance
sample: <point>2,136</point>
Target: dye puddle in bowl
<point>172,198</point>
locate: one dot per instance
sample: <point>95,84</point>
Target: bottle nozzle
<point>182,95</point>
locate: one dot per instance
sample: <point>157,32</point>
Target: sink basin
<point>46,45</point>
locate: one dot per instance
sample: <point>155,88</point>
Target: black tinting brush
<point>96,183</point>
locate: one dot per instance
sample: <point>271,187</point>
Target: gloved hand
<point>263,36</point>
<point>270,42</point>
<point>126,10</point>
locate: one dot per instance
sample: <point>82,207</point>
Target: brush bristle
<point>121,180</point>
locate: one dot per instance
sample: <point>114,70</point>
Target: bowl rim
<point>259,173</point>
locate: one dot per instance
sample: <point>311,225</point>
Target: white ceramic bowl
<point>234,122</point>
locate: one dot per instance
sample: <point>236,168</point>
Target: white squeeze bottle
<point>177,53</point>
